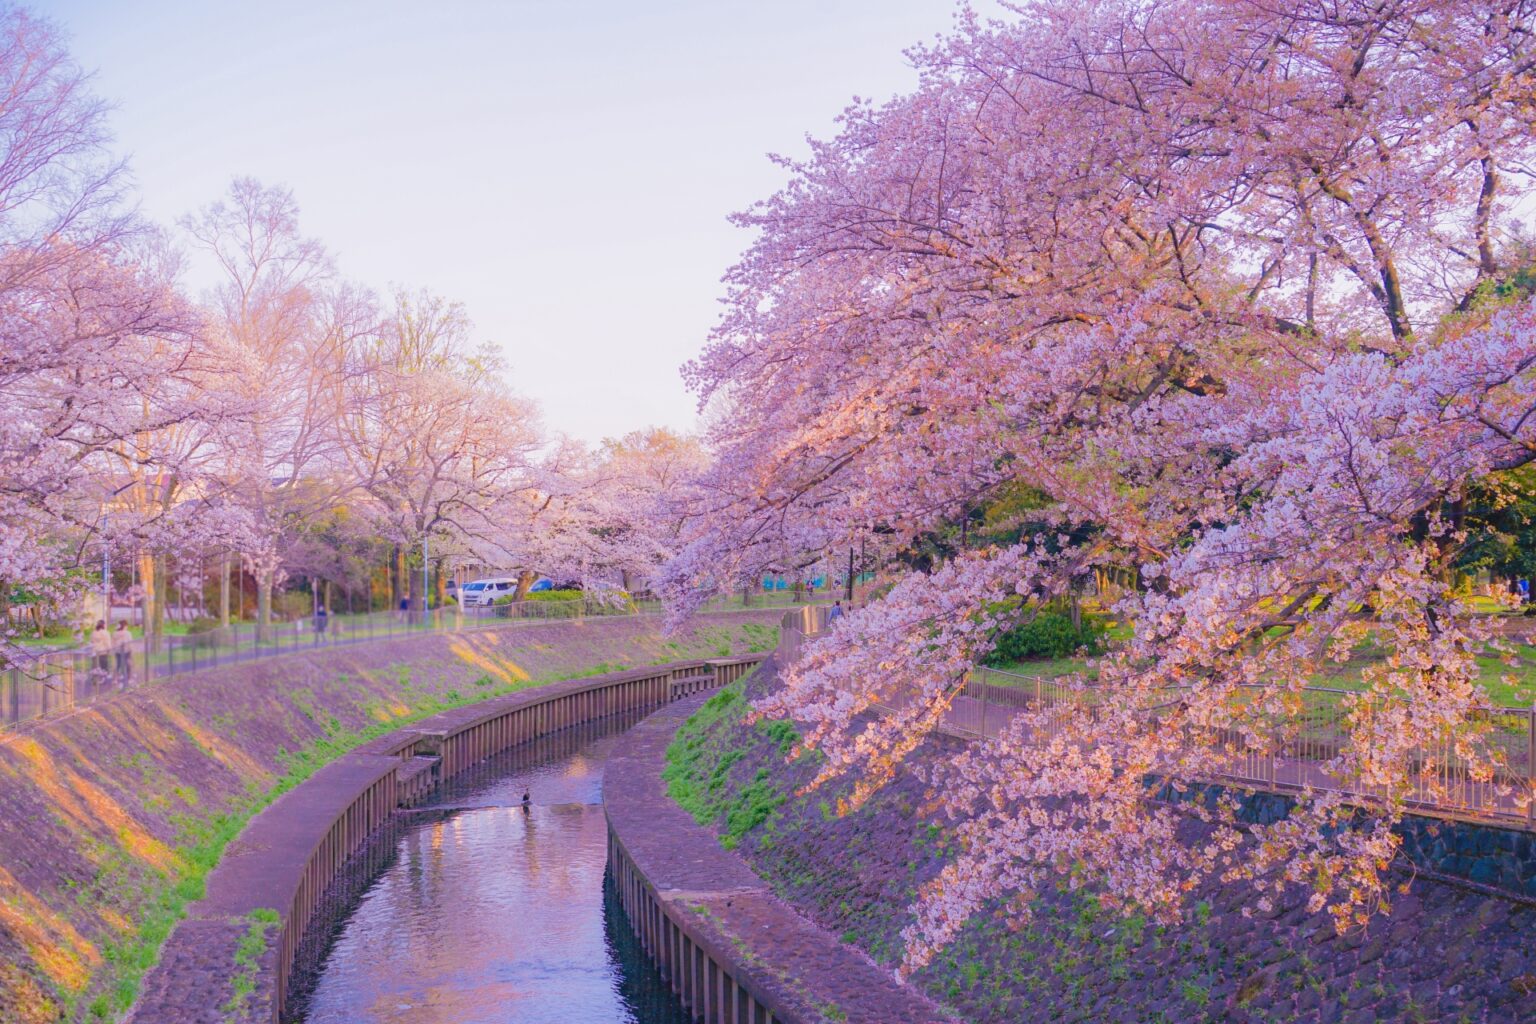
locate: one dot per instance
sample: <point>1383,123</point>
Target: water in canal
<point>489,914</point>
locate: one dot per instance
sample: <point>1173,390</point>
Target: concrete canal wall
<point>230,961</point>
<point>112,816</point>
<point>732,950</point>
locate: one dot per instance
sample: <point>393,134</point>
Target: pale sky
<point>563,168</point>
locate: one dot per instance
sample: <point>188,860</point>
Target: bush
<point>202,624</point>
<point>294,604</point>
<point>1050,634</point>
<point>568,604</point>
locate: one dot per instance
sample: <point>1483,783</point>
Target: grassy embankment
<point>1061,956</point>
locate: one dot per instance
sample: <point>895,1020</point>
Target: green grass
<point>1338,676</point>
<point>1491,672</point>
<point>253,946</point>
<point>701,757</point>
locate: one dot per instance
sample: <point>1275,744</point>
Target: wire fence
<point>55,681</point>
<point>1283,752</point>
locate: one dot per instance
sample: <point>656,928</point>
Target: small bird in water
<point>527,800</point>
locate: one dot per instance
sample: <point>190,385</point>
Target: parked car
<point>482,593</point>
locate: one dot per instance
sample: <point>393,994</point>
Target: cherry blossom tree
<point>430,431</point>
<point>276,420</point>
<point>646,479</point>
<point>1229,285</point>
<point>87,334</point>
<point>287,325</point>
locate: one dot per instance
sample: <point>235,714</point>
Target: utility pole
<point>106,570</point>
<point>850,574</point>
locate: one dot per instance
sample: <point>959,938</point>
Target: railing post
<point>1530,765</point>
<point>1273,755</point>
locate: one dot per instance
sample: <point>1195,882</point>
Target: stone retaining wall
<point>1483,854</point>
<point>732,951</point>
<point>110,815</point>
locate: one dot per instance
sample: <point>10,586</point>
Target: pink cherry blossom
<point>1219,281</point>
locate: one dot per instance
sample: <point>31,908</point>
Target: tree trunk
<point>525,579</point>
<point>154,612</point>
<point>162,602</point>
<point>263,605</point>
<point>399,587</point>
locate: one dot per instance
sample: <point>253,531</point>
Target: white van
<point>482,593</point>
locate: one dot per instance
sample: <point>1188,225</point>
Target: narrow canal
<point>488,913</point>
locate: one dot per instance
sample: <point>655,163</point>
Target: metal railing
<point>754,599</point>
<point>55,681</point>
<point>1294,749</point>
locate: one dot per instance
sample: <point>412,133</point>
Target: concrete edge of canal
<point>230,959</point>
<point>732,951</point>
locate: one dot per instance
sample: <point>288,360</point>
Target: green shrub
<point>294,604</point>
<point>202,624</point>
<point>567,596</point>
<point>1050,634</point>
<point>569,604</point>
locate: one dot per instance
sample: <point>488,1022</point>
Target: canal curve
<point>488,912</point>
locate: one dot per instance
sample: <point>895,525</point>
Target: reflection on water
<point>492,913</point>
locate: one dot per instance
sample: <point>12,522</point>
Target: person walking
<point>122,651</point>
<point>834,613</point>
<point>322,618</point>
<point>101,650</point>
